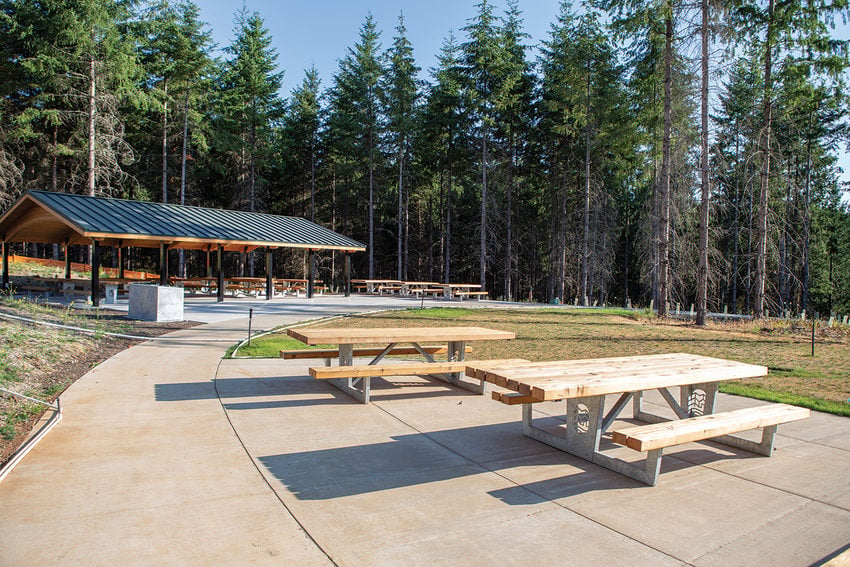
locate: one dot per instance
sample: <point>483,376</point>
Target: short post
<point>814,324</point>
<point>250,321</point>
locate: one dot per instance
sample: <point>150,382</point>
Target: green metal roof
<point>139,223</point>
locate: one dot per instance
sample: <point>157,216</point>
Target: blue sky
<point>320,32</point>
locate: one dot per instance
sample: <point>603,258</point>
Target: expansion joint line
<point>514,483</point>
<point>260,472</point>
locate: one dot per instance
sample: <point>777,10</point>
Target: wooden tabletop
<point>558,380</point>
<point>336,335</point>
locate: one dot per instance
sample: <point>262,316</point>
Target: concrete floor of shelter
<point>169,455</point>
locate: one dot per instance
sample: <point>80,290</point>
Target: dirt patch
<point>42,361</point>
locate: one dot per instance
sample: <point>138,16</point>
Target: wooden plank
<point>332,353</point>
<point>324,372</point>
<point>614,365</point>
<point>334,335</point>
<point>393,369</point>
<point>636,382</point>
<point>511,398</point>
<point>669,433</point>
<point>587,375</point>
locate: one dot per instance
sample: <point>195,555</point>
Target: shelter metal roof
<point>50,217</point>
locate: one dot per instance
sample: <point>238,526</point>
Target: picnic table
<point>355,380</point>
<point>378,286</point>
<point>584,384</point>
<point>452,290</point>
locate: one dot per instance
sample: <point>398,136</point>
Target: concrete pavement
<point>169,455</point>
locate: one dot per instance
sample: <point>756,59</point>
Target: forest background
<point>596,168</point>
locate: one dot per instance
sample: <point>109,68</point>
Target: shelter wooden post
<point>209,265</point>
<point>269,278</point>
<point>5,263</point>
<point>347,274</point>
<point>67,248</point>
<point>311,274</point>
<point>220,274</point>
<point>163,263</point>
<point>120,260</point>
<point>95,273</point>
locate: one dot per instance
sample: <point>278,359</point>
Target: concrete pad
<point>814,530</point>
<point>169,455</point>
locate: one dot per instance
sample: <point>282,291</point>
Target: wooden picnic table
<point>455,337</point>
<point>584,384</point>
<point>378,285</point>
<point>451,289</point>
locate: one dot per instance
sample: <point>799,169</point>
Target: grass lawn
<point>821,382</point>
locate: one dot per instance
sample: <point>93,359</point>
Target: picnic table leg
<point>583,431</point>
<point>349,385</point>
<point>583,427</point>
<point>694,400</point>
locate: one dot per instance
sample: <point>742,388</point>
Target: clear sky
<point>320,32</point>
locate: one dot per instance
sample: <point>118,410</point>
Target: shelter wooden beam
<point>163,263</point>
<point>269,276</point>
<point>5,263</point>
<point>67,248</point>
<point>347,274</point>
<point>220,273</point>
<point>95,273</point>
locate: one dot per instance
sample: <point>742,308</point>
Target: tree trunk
<point>183,162</point>
<point>165,142</point>
<point>586,224</point>
<point>804,303</point>
<point>313,177</point>
<point>91,125</point>
<point>482,258</point>
<point>664,186</point>
<point>400,234</point>
<point>705,190</point>
<point>509,272</point>
<point>761,243</point>
<point>448,252</point>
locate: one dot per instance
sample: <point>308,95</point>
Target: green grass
<point>269,346</point>
<point>760,393</point>
<point>821,382</point>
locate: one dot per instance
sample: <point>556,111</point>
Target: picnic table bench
<point>356,380</point>
<point>584,384</point>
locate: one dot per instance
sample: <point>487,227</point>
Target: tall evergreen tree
<point>401,92</point>
<point>249,102</point>
<point>355,115</point>
<point>483,59</point>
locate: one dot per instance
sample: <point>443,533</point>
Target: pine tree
<point>75,69</point>
<point>356,122</point>
<point>402,96</point>
<point>249,102</point>
<point>446,128</point>
<point>482,63</point>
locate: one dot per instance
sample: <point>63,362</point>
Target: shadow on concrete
<point>225,388</point>
<point>431,457</point>
<point>415,459</point>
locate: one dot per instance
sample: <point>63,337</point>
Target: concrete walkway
<point>169,455</point>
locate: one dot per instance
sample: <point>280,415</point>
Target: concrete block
<point>155,303</point>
